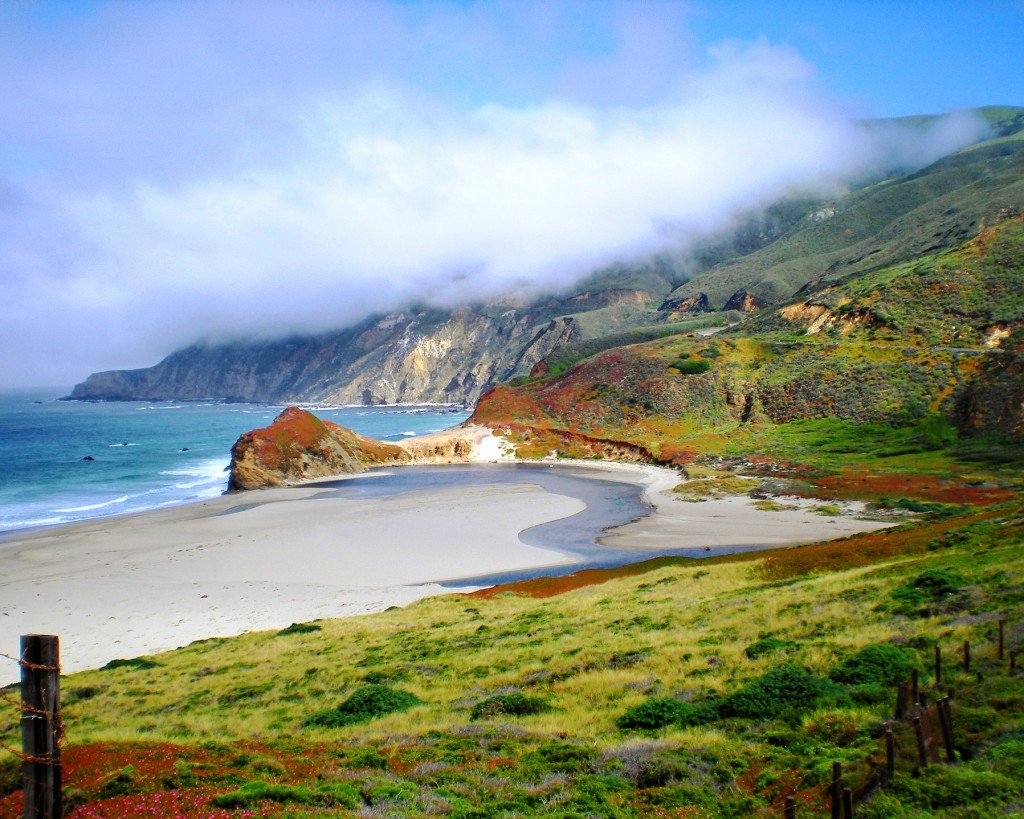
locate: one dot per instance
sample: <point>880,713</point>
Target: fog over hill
<point>431,351</point>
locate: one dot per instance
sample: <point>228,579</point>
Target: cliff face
<point>299,446</point>
<point>408,357</point>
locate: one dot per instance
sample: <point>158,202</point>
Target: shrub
<point>767,645</point>
<point>661,712</point>
<point>781,689</point>
<point>365,703</point>
<point>940,786</point>
<point>928,589</point>
<point>253,794</point>
<point>511,705</point>
<point>120,783</point>
<point>298,628</point>
<point>693,366</point>
<point>10,776</point>
<point>560,756</point>
<point>140,663</point>
<point>881,664</point>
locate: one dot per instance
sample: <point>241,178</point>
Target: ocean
<point>64,461</point>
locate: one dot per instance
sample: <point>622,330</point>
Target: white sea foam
<point>91,506</point>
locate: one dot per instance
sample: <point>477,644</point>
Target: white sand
<point>139,584</point>
<point>121,587</point>
<point>729,522</point>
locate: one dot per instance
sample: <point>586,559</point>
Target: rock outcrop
<point>687,306</point>
<point>745,302</point>
<point>299,446</point>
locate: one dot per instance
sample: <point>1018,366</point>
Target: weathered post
<point>946,720</point>
<point>847,803</point>
<point>837,790</point>
<point>41,726</point>
<point>902,693</point>
<point>967,656</point>
<point>922,750</point>
<point>890,758</point>
<point>999,644</point>
<point>790,807</point>
<point>938,666</point>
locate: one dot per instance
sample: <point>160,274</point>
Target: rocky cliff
<point>413,356</point>
<point>299,446</point>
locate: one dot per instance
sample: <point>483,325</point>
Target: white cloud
<point>325,201</point>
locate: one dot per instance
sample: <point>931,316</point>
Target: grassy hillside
<point>651,694</point>
<point>927,354</point>
<point>886,223</point>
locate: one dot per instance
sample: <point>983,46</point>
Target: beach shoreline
<point>139,584</point>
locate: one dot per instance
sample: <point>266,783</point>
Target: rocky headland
<point>299,447</point>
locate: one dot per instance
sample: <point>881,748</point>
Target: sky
<point>177,171</point>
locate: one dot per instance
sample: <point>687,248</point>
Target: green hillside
<point>889,222</point>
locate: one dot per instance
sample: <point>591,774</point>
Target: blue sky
<point>179,170</point>
<point>891,58</point>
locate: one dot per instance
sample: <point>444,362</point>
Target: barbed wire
<point>30,712</point>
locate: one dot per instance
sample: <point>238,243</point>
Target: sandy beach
<point>144,583</point>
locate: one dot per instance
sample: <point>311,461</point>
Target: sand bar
<point>143,583</point>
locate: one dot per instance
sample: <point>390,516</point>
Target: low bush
<point>692,366</point>
<point>509,705</point>
<point>139,663</point>
<point>254,794</point>
<point>927,590</point>
<point>120,783</point>
<point>298,628</point>
<point>661,712</point>
<point>787,688</point>
<point>881,664</point>
<point>10,776</point>
<point>565,757</point>
<point>365,703</point>
<point>767,645</point>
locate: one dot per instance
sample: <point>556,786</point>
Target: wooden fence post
<point>902,693</point>
<point>837,790</point>
<point>790,807</point>
<point>41,726</point>
<point>946,721</point>
<point>999,645</point>
<point>922,750</point>
<point>847,803</point>
<point>890,758</point>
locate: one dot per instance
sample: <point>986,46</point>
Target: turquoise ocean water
<point>144,455</point>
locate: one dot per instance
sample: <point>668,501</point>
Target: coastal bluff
<point>297,446</point>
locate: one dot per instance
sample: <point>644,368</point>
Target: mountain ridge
<point>423,354</point>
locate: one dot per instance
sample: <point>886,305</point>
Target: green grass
<point>646,693</point>
<point>884,224</point>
